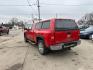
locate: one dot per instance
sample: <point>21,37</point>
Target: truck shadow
<point>58,53</point>
<point>88,40</point>
<point>63,53</point>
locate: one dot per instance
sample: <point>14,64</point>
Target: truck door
<point>31,33</point>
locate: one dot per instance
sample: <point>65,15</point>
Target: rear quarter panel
<point>46,34</point>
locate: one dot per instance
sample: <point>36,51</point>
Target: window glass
<point>38,25</point>
<point>28,26</point>
<point>89,29</point>
<point>46,25</point>
<point>65,24</point>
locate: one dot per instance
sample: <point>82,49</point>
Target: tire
<point>69,48</point>
<point>0,33</point>
<point>41,48</point>
<point>25,39</point>
<point>8,32</point>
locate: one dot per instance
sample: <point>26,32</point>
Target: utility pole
<point>32,18</point>
<point>38,9</point>
<point>56,15</point>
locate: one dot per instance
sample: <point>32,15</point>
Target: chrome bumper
<point>65,45</point>
<point>78,42</point>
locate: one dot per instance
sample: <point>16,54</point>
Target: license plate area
<point>69,45</point>
<point>56,47</point>
<point>62,46</point>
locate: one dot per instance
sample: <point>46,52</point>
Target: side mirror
<point>25,29</point>
<point>29,28</point>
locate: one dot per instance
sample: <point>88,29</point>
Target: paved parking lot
<point>15,54</point>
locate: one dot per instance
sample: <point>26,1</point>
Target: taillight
<point>52,37</point>
<point>69,36</point>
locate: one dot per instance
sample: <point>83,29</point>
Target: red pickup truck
<point>3,30</point>
<point>53,34</point>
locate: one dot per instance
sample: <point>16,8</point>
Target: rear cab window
<point>45,24</point>
<point>65,24</point>
<point>38,25</point>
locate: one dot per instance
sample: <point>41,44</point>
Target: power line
<point>31,7</point>
<point>65,5</point>
<point>13,5</point>
<point>18,5</point>
<point>28,3</point>
<point>48,4</point>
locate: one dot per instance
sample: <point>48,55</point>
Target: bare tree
<point>87,19</point>
<point>14,21</point>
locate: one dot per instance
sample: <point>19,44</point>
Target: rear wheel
<point>0,34</point>
<point>69,48</point>
<point>25,39</point>
<point>41,47</point>
<point>8,32</point>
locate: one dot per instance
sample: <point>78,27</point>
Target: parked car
<point>87,33</point>
<point>82,27</point>
<point>53,34</point>
<point>91,37</point>
<point>4,30</point>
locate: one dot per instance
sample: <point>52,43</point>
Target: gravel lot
<point>15,54</point>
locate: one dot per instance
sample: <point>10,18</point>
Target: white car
<point>92,36</point>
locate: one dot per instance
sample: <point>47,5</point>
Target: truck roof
<point>55,19</point>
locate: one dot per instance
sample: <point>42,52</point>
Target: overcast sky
<point>49,8</point>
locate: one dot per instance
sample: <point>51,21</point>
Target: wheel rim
<point>41,48</point>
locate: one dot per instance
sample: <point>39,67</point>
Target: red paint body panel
<point>52,37</point>
<point>62,36</point>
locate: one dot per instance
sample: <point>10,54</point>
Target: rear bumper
<point>78,42</point>
<point>65,45</point>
